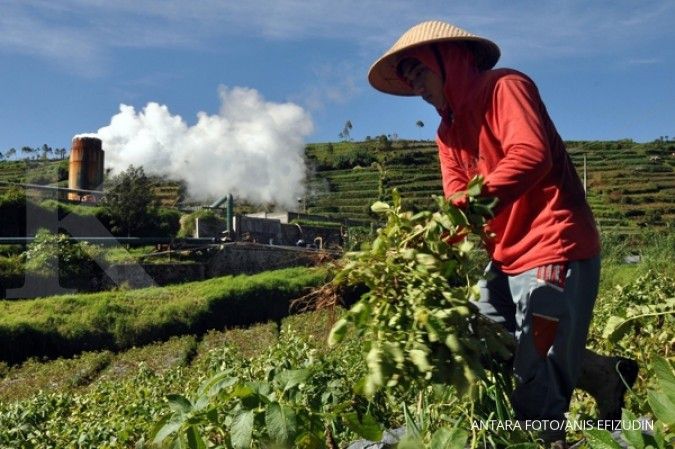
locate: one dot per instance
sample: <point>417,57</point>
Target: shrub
<point>52,255</point>
<point>187,222</point>
<point>164,223</point>
<point>13,212</point>
<point>354,157</point>
<point>130,202</point>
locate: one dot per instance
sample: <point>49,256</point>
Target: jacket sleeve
<point>517,119</point>
<point>454,177</point>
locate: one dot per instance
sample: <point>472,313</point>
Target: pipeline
<point>111,241</point>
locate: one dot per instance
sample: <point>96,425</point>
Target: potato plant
<point>417,320</point>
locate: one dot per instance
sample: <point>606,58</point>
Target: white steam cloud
<point>252,148</point>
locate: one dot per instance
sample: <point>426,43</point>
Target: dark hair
<point>406,60</point>
<point>410,59</point>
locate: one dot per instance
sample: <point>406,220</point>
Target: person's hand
<point>453,239</point>
<point>460,200</point>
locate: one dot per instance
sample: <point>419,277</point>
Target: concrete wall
<point>231,258</point>
<point>331,238</point>
<point>239,258</point>
<point>209,227</point>
<point>266,231</point>
<point>260,230</point>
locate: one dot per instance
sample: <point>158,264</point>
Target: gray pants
<point>549,310</point>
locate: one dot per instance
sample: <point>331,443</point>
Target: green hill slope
<point>629,185</point>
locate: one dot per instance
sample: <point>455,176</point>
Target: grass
<point>88,371</point>
<point>65,325</point>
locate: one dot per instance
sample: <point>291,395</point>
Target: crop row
<point>69,324</point>
<point>119,397</point>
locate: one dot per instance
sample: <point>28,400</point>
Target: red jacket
<point>499,128</point>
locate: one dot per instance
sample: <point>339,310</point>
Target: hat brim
<point>383,76</point>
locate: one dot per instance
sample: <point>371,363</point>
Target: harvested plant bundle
<point>417,320</point>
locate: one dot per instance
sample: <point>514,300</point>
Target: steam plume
<point>252,148</point>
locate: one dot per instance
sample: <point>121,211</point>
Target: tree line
<point>42,152</point>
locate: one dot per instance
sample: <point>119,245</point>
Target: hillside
<point>629,185</point>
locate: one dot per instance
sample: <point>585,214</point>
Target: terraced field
<point>629,185</point>
<point>168,193</point>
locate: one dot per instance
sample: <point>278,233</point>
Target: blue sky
<point>604,68</point>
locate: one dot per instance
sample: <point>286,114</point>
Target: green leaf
<point>179,403</point>
<point>194,439</point>
<point>379,207</point>
<point>366,428</point>
<point>452,342</point>
<point>338,332</point>
<point>393,353</point>
<point>475,186</point>
<point>457,216</point>
<point>165,428</point>
<point>248,394</point>
<point>523,446</point>
<point>376,374</point>
<point>615,329</point>
<point>449,438</point>
<point>291,378</point>
<point>217,383</point>
<point>420,360</point>
<point>410,442</point>
<point>241,431</point>
<point>412,429</point>
<point>465,246</point>
<point>632,437</point>
<point>662,406</point>
<point>426,260</point>
<point>664,373</point>
<point>280,421</point>
<point>308,440</point>
<point>601,439</point>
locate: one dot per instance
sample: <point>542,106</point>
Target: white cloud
<point>526,30</point>
<point>68,46</point>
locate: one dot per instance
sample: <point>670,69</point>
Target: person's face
<point>424,82</point>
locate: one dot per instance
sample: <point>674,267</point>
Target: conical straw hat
<point>382,74</point>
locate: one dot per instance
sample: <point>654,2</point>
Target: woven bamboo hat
<point>382,74</point>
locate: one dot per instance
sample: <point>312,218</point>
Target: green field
<point>123,368</point>
<point>112,399</point>
<point>629,185</point>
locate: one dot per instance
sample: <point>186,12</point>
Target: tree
<point>27,151</point>
<point>344,134</point>
<point>46,151</point>
<point>10,153</point>
<point>61,152</point>
<point>384,144</point>
<point>420,125</point>
<point>130,202</point>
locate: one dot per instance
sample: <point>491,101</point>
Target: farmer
<point>544,271</point>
